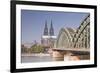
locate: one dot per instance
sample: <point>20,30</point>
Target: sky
<point>33,22</point>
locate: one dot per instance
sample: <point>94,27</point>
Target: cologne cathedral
<point>48,38</point>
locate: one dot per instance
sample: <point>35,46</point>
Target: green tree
<point>37,48</point>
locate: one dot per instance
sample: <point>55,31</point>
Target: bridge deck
<point>73,49</point>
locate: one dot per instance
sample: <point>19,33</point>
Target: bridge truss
<point>75,38</point>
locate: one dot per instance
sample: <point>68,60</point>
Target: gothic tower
<point>45,36</point>
<point>51,31</point>
<point>45,29</point>
<point>48,38</point>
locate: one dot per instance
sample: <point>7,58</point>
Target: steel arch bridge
<point>65,38</point>
<point>75,38</point>
<point>82,36</point>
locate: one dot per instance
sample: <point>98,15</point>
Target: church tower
<point>45,36</point>
<point>48,38</point>
<point>51,31</point>
<point>45,29</point>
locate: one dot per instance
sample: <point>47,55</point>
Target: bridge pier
<point>58,55</point>
<point>64,55</point>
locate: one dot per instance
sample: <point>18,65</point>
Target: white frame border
<point>20,65</point>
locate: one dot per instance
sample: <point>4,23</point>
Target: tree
<point>37,48</point>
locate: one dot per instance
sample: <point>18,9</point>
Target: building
<point>48,38</point>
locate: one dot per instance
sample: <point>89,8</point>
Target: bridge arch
<point>82,35</point>
<point>65,37</point>
<point>71,38</point>
<point>74,42</point>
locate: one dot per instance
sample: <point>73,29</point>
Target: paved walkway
<point>36,54</point>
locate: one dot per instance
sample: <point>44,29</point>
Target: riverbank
<point>35,54</point>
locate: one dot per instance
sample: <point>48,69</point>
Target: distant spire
<point>45,29</point>
<point>51,31</point>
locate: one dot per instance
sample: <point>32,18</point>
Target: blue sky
<point>33,22</point>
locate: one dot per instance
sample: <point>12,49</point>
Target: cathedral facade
<point>48,38</point>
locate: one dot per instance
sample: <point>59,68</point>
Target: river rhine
<point>30,59</point>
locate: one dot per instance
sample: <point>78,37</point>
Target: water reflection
<point>30,59</point>
<point>48,58</point>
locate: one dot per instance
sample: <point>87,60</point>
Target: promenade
<point>34,54</point>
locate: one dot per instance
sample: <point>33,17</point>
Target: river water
<point>30,59</point>
<point>48,58</point>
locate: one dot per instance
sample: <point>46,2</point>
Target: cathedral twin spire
<point>51,30</point>
<point>45,29</point>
